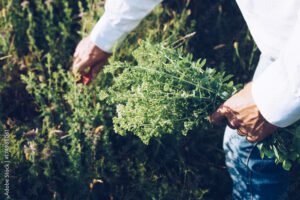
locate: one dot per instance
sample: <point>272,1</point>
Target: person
<point>271,100</point>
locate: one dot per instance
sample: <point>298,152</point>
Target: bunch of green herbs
<point>166,92</point>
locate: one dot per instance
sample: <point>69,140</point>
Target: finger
<point>76,54</point>
<point>219,115</point>
<point>76,60</point>
<point>240,132</point>
<point>232,121</point>
<point>224,113</point>
<point>81,64</point>
<point>80,56</point>
<point>252,139</point>
<point>74,67</point>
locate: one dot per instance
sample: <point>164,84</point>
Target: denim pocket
<point>253,177</point>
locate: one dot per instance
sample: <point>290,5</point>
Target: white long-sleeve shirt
<point>275,27</point>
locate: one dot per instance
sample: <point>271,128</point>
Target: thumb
<point>80,64</point>
<point>224,113</point>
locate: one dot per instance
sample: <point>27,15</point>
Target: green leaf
<point>286,165</point>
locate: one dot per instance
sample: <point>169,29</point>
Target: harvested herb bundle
<point>166,92</point>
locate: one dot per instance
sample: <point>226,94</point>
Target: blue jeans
<point>253,178</point>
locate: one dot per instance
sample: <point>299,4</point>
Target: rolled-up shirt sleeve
<point>276,91</point>
<point>119,19</point>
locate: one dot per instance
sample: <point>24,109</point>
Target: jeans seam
<point>249,172</point>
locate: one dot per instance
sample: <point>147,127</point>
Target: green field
<point>62,140</point>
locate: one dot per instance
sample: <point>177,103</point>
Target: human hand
<point>87,54</point>
<point>242,114</point>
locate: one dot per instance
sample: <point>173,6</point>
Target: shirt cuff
<point>275,96</point>
<point>106,35</point>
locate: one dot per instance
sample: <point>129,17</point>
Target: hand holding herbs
<point>88,60</point>
<point>242,114</point>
